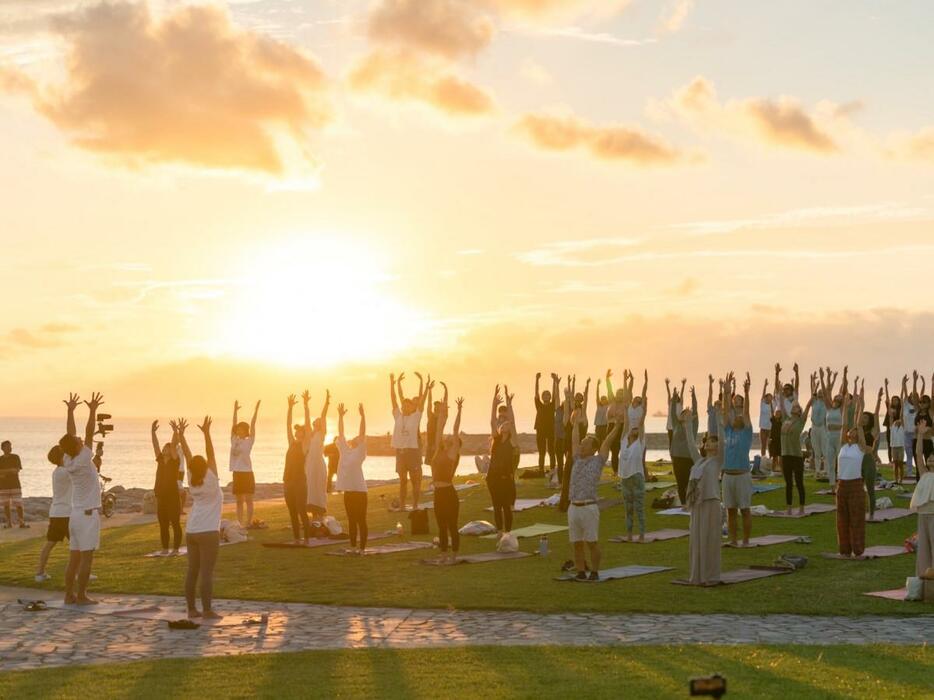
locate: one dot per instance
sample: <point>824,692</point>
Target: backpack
<point>419,522</point>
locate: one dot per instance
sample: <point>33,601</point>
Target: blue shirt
<point>818,413</point>
<point>737,444</point>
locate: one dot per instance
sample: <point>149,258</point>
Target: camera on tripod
<point>103,427</point>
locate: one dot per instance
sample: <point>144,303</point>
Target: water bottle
<point>543,546</point>
<point>399,529</point>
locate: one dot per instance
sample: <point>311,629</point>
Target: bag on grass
<point>419,522</point>
<point>508,543</point>
<point>478,527</point>
<point>915,588</point>
<point>791,561</point>
<point>332,525</point>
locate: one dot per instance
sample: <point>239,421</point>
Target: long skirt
<point>706,530</point>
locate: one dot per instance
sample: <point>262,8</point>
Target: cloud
<point>551,10</point>
<point>535,73</point>
<point>47,336</point>
<point>581,34</point>
<point>687,287</point>
<point>612,143</point>
<point>674,16</point>
<point>403,76</point>
<point>916,146</point>
<point>188,87</point>
<point>781,122</point>
<point>594,252</point>
<point>448,28</point>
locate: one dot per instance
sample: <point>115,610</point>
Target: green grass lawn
<point>501,672</point>
<point>249,571</point>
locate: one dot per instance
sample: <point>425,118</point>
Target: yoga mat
<point>182,551</point>
<point>536,530</point>
<point>657,536</point>
<point>766,540</point>
<point>876,552</point>
<point>457,487</point>
<point>383,549</point>
<point>765,488</point>
<point>103,608</point>
<point>674,511</point>
<point>658,485</point>
<point>617,573</point>
<point>408,509</point>
<point>895,594</point>
<point>824,492</point>
<point>324,541</point>
<point>886,514</point>
<point>809,509</point>
<point>522,504</point>
<point>740,576</point>
<point>481,558</point>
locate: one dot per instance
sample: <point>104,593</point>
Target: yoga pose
<point>737,481</point>
<point>765,419</point>
<point>616,415</point>
<point>294,481</point>
<point>407,417</point>
<point>674,407</point>
<point>504,450</point>
<point>818,427</point>
<point>11,492</point>
<point>242,437</point>
<point>632,472</point>
<point>599,415</point>
<point>544,424</point>
<point>59,511</point>
<point>443,466</point>
<point>559,421</point>
<point>894,433</point>
<point>850,494</point>
<point>84,524</point>
<point>579,499</point>
<point>792,458</point>
<point>316,469</point>
<point>922,502</point>
<point>202,530</point>
<point>909,413</point>
<point>868,427</point>
<point>350,478</point>
<point>168,504</point>
<point>703,501</point>
<point>834,422</point>
<point>683,436</point>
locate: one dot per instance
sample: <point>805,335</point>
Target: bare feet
<point>211,615</point>
<point>70,600</point>
<point>193,613</point>
<point>85,600</point>
<point>788,511</point>
<point>745,543</point>
<point>801,510</point>
<point>642,538</point>
<point>733,543</point>
<point>629,537</point>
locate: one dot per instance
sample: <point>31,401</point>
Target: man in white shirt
<point>84,525</point>
<point>407,416</point>
<point>59,510</point>
<point>242,437</point>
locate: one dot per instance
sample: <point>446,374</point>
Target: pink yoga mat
<point>482,558</point>
<point>741,576</point>
<point>384,549</point>
<point>876,552</point>
<point>809,509</point>
<point>886,514</point>
<point>656,536</point>
<point>895,594</point>
<point>766,540</point>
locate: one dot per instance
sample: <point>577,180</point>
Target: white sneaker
<point>40,578</point>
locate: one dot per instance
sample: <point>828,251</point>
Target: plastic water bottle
<point>399,529</point>
<point>543,546</point>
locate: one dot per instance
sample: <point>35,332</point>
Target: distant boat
<point>659,414</point>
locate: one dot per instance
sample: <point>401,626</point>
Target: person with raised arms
<point>443,466</point>
<point>683,436</point>
<point>765,420</point>
<point>84,524</point>
<point>544,424</point>
<point>737,480</point>
<point>294,480</point>
<point>616,415</point>
<point>894,434</point>
<point>407,417</point>
<point>316,468</point>
<point>675,403</point>
<point>242,437</point>
<point>850,493</point>
<point>504,451</point>
<point>818,427</point>
<point>632,472</point>
<point>202,529</point>
<point>909,414</point>
<point>559,431</point>
<point>168,503</point>
<point>834,422</point>
<point>350,478</point>
<point>793,423</point>
<point>869,426</point>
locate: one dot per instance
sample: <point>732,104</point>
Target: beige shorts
<point>583,523</point>
<point>84,531</point>
<point>737,491</point>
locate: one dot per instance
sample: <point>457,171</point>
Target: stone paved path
<point>66,637</point>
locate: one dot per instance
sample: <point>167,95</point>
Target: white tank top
<point>850,463</point>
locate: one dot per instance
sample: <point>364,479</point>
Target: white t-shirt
<point>850,463</point>
<point>405,430</point>
<point>898,435</point>
<point>85,484</point>
<point>350,467</point>
<point>630,457</point>
<point>765,416</point>
<point>61,494</point>
<point>240,449</point>
<point>207,501</point>
<point>909,413</point>
<point>635,414</point>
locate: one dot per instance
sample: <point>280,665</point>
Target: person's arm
<point>575,434</point>
<point>497,400</point>
<point>797,383</point>
<point>710,393</point>
<point>208,444</point>
<point>392,393</point>
<point>362,433</point>
<point>645,412</point>
<point>429,403</point>
<point>340,421</point>
<point>288,420</point>
<point>422,394</point>
<point>586,395</point>
<point>608,441</point>
<point>538,396</point>
<point>324,411</point>
<point>155,439</point>
<point>597,398</point>
<point>399,387</point>
<point>668,391</point>
<point>444,398</point>
<point>695,419</point>
<point>72,403</point>
<point>922,433</point>
<point>807,410</point>
<point>684,383</point>
<point>691,440</point>
<point>888,400</point>
<point>904,393</point>
<point>179,427</point>
<point>747,386</point>
<point>512,416</point>
<point>645,387</point>
<point>555,387</point>
<point>253,421</point>
<point>611,395</point>
<point>878,407</point>
<point>306,428</point>
<point>97,400</point>
<point>233,425</point>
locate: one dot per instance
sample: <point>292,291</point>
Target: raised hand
<point>538,375</point>
<point>341,411</point>
<point>554,376</point>
<point>72,401</point>
<point>360,410</point>
<point>292,400</point>
<point>460,402</point>
<point>419,375</point>
<point>256,409</point>
<point>609,373</point>
<point>206,425</point>
<point>778,367</point>
<point>306,396</point>
<point>327,396</point>
<point>155,425</point>
<point>181,425</point>
<point>747,383</point>
<point>401,377</point>
<point>237,405</point>
<point>97,399</point>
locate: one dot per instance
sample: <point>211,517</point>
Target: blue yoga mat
<point>764,488</point>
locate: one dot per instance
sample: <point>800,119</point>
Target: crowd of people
<point>712,468</point>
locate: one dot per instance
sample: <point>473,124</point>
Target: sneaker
<point>40,578</point>
<point>594,576</point>
<point>581,575</point>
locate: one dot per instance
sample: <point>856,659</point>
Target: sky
<point>209,201</point>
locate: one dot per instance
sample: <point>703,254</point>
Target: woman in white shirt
<point>350,478</point>
<point>851,494</point>
<point>765,419</point>
<point>202,531</point>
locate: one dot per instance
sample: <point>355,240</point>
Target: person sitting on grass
<point>294,482</point>
<point>11,492</point>
<point>84,524</point>
<point>703,501</point>
<point>579,498</point>
<point>443,466</point>
<point>922,502</point>
<point>202,530</point>
<point>242,437</point>
<point>737,481</point>
<point>168,504</point>
<point>350,478</point>
<point>59,511</point>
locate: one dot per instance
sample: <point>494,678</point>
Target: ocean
<point>129,461</point>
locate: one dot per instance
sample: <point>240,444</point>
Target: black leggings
<point>447,508</point>
<point>546,445</point>
<point>168,510</point>
<point>202,555</point>
<point>614,448</point>
<point>296,498</point>
<point>355,505</point>
<point>681,466</point>
<point>793,469</point>
<point>503,494</point>
<point>559,457</point>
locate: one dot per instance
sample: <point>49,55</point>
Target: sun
<point>318,301</point>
